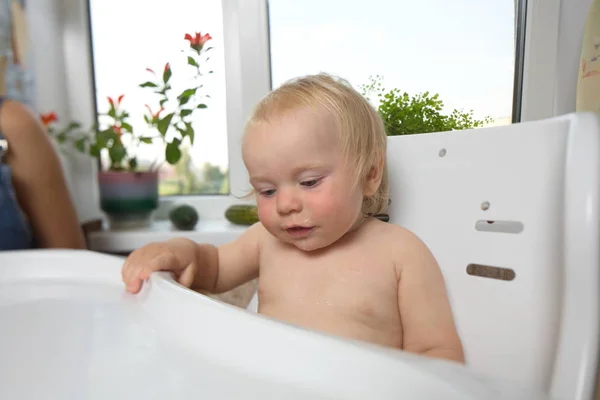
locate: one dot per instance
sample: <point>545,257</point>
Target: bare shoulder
<point>18,122</point>
<point>27,138</point>
<point>30,149</point>
<point>256,236</point>
<point>393,236</point>
<point>256,230</point>
<point>403,246</point>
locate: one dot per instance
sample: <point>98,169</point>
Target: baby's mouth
<point>298,231</point>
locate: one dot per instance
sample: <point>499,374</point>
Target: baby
<point>315,151</point>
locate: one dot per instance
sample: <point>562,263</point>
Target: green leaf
<point>112,112</point>
<point>167,74</point>
<point>193,62</point>
<point>126,127</point>
<point>163,124</point>
<point>183,100</point>
<point>172,152</point>
<point>133,163</point>
<point>94,150</point>
<point>103,137</point>
<point>148,84</point>
<point>188,92</point>
<point>117,153</point>
<point>189,132</point>
<point>185,112</point>
<point>80,144</point>
<point>73,125</point>
<point>147,140</point>
<point>202,106</point>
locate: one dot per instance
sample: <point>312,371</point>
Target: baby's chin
<point>309,244</point>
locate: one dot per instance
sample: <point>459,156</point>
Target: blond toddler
<point>315,151</point>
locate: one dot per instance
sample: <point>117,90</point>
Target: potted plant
<point>128,191</point>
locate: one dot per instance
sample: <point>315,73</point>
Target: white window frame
<point>552,30</point>
<point>248,78</point>
<point>541,52</point>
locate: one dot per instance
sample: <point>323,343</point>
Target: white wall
<point>63,77</point>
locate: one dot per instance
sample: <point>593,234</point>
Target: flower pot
<point>128,198</point>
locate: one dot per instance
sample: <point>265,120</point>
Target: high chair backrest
<point>511,215</point>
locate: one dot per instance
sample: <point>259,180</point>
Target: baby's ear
<point>373,178</point>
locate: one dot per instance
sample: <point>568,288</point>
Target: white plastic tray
<point>69,331</point>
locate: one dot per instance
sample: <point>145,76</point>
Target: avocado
<point>242,214</point>
<point>184,217</point>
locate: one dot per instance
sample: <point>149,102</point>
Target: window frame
<point>248,78</point>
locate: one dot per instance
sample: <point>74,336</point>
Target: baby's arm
<point>239,260</point>
<point>201,267</point>
<point>427,320</point>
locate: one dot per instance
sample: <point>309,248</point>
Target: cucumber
<point>184,217</point>
<point>242,214</point>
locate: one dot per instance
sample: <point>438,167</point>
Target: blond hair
<point>361,132</point>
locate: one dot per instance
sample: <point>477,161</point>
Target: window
<point>129,36</point>
<point>254,50</point>
<point>462,50</point>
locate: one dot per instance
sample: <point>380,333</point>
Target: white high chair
<point>524,198</point>
<point>511,214</point>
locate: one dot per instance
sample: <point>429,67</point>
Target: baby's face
<point>304,189</point>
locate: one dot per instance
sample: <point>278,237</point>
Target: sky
<point>461,49</point>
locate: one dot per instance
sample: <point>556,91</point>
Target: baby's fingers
<point>135,274</point>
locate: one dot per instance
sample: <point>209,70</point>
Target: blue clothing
<point>15,232</point>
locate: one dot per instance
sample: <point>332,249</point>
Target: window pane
<point>129,36</point>
<point>463,50</point>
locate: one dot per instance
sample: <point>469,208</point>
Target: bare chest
<point>351,292</point>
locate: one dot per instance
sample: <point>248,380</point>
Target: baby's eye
<point>267,193</point>
<point>311,183</point>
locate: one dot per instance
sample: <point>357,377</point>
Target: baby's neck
<point>355,229</point>
<point>360,221</point>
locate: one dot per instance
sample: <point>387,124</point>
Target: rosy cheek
<point>321,203</point>
<point>265,209</point>
<point>332,200</point>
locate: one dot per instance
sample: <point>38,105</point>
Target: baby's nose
<point>288,202</point>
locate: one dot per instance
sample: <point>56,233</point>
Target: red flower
<point>152,114</point>
<point>119,99</point>
<point>198,40</point>
<point>167,67</point>
<point>48,118</point>
<point>117,130</point>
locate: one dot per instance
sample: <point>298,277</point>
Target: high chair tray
<point>69,331</point>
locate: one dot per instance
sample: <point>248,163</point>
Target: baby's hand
<point>175,255</point>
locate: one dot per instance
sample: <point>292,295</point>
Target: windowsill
<point>213,231</point>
